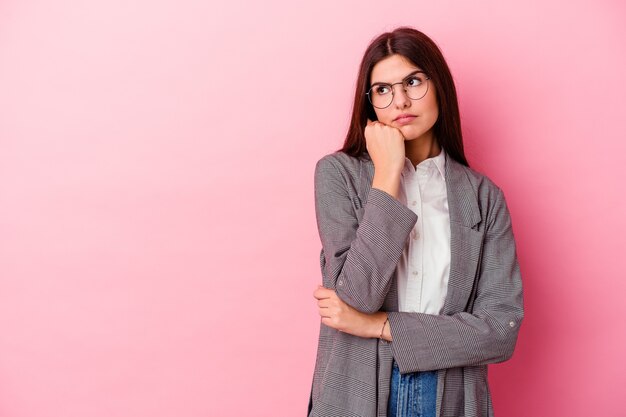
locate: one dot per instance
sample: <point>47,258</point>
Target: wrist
<point>387,182</point>
<point>379,325</point>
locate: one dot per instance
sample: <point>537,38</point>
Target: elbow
<point>365,303</point>
<point>506,354</point>
<point>501,339</point>
<point>509,343</point>
<point>502,353</point>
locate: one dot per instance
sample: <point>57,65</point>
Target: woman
<point>422,288</point>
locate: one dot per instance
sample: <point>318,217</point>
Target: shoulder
<point>343,174</point>
<point>339,164</point>
<point>479,182</point>
<point>489,196</point>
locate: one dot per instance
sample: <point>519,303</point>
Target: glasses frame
<point>369,97</point>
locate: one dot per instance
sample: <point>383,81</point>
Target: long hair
<point>420,50</point>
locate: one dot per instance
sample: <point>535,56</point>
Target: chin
<point>415,132</point>
<point>409,133</point>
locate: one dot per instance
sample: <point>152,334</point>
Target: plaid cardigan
<point>363,233</point>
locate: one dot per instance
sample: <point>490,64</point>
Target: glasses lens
<point>381,95</point>
<point>416,86</point>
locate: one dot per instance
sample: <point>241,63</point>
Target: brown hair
<point>423,53</point>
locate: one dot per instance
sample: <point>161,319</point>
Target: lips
<point>404,119</point>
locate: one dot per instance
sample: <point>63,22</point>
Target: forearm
<point>377,326</point>
<point>362,272</point>
<point>387,182</point>
<point>424,342</point>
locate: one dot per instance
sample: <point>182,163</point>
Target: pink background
<point>158,248</point>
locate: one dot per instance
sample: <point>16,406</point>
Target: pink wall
<point>158,248</point>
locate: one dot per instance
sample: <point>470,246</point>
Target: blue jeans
<point>412,395</point>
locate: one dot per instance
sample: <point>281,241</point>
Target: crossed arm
<point>360,259</point>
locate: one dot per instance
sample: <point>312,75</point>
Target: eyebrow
<point>411,74</point>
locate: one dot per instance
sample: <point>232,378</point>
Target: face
<point>421,114</point>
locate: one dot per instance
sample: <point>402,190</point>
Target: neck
<point>421,148</point>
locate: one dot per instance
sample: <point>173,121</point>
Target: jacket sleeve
<point>358,258</point>
<point>488,333</point>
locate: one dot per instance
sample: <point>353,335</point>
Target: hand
<point>337,314</point>
<point>385,145</point>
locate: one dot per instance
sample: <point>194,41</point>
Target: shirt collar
<point>438,161</point>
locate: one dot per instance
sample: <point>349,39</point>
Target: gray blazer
<point>363,233</point>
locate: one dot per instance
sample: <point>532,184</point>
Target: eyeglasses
<point>415,86</point>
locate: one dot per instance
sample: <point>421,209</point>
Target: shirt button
<point>416,235</point>
<point>340,282</point>
<point>512,324</point>
<point>415,272</point>
<point>414,203</point>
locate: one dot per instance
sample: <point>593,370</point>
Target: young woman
<point>422,287</point>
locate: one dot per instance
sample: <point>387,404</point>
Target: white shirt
<point>424,267</point>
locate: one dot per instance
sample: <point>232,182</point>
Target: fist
<point>385,144</point>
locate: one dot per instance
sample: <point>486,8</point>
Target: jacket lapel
<point>465,236</point>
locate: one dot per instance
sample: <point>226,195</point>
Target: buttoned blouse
<point>424,267</point>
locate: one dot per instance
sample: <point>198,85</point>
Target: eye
<point>382,89</point>
<point>414,81</point>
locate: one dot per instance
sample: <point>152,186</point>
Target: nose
<point>400,99</point>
